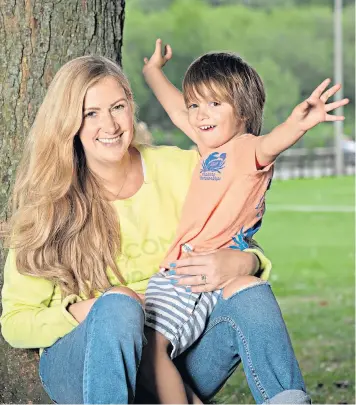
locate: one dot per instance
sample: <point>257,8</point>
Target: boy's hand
<point>305,116</point>
<point>157,60</point>
<point>315,110</point>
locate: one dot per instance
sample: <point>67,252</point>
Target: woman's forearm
<point>255,263</point>
<point>235,263</point>
<point>249,264</point>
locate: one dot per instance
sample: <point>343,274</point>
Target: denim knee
<point>118,313</point>
<point>260,294</point>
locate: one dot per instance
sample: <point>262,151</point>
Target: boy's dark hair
<point>230,79</point>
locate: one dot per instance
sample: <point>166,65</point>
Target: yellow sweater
<point>33,314</point>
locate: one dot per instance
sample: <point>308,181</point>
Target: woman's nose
<point>108,124</point>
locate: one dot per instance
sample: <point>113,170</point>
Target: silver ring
<point>203,278</point>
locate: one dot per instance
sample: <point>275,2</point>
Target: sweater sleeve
<point>265,264</point>
<point>27,321</point>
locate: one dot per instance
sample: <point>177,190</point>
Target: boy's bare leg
<point>159,374</point>
<point>192,396</point>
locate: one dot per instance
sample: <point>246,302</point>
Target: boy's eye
<point>214,103</point>
<point>191,106</point>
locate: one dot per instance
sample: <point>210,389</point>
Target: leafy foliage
<point>289,42</point>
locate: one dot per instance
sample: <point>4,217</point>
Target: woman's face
<point>107,127</point>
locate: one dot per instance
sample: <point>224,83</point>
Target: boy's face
<point>214,121</point>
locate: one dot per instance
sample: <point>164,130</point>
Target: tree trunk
<point>36,38</point>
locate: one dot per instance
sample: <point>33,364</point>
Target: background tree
<point>36,38</point>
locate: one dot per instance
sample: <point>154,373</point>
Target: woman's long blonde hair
<point>62,228</point>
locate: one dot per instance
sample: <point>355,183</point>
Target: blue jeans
<point>97,363</point>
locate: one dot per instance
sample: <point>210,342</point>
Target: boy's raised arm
<point>167,94</point>
<point>305,116</point>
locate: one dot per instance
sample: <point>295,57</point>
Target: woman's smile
<point>110,141</point>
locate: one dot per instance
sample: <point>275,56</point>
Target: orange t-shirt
<point>225,200</point>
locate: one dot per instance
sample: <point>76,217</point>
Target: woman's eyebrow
<point>111,105</point>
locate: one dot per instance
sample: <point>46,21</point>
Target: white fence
<point>318,162</point>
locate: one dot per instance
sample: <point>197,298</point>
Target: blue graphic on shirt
<point>260,207</point>
<point>242,238</point>
<point>214,163</point>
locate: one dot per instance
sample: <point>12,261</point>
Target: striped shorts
<point>179,315</point>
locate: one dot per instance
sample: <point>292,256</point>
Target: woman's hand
<point>81,309</point>
<point>214,270</point>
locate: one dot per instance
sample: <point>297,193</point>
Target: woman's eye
<point>90,114</point>
<point>119,107</point>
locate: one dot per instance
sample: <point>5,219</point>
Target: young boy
<point>221,110</point>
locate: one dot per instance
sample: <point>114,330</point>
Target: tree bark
<point>36,38</point>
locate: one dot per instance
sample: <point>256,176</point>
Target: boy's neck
<point>206,150</point>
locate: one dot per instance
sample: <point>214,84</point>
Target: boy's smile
<point>207,127</point>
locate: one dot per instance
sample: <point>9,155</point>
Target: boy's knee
<point>240,283</point>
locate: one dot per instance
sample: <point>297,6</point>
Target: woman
<point>74,287</point>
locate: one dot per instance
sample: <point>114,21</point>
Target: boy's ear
<point>241,123</point>
<point>240,118</point>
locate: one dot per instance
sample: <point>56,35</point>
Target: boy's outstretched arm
<point>168,95</point>
<point>305,116</point>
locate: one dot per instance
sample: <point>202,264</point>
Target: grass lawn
<point>313,256</point>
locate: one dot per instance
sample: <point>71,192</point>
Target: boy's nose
<point>202,113</point>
